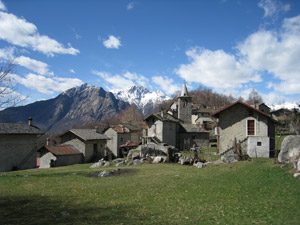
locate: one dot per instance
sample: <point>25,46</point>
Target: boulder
<point>290,149</point>
<point>230,158</point>
<point>104,173</point>
<point>136,162</point>
<point>199,165</point>
<point>120,163</point>
<point>107,164</point>
<point>97,164</point>
<point>135,155</point>
<point>297,175</point>
<point>130,163</point>
<point>159,159</point>
<point>118,160</point>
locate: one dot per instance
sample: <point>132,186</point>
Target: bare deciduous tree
<point>8,96</point>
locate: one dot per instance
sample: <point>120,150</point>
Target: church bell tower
<point>185,106</point>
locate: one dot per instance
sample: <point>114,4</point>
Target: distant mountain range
<point>144,99</point>
<point>81,105</point>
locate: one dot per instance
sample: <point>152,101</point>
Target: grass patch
<point>256,192</point>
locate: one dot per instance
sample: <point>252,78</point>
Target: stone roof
<point>184,91</point>
<point>19,128</point>
<point>216,114</point>
<point>193,128</point>
<point>131,127</point>
<point>62,150</point>
<point>88,134</point>
<point>164,117</point>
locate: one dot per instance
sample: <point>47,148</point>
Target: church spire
<point>184,92</point>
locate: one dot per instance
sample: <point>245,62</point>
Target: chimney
<point>30,121</point>
<point>48,141</point>
<point>162,114</point>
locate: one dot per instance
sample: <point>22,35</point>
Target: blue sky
<point>231,46</point>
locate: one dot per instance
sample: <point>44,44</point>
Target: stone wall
<point>233,124</point>
<point>45,159</point>
<point>14,148</point>
<point>169,133</point>
<point>197,139</point>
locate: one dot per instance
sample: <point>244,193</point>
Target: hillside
<point>76,106</point>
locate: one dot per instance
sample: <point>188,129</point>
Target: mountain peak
<point>144,99</point>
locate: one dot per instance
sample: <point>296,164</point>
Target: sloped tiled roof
<point>18,128</point>
<point>131,127</point>
<point>88,134</point>
<point>120,129</point>
<point>193,128</point>
<point>241,103</point>
<point>62,150</point>
<point>164,117</point>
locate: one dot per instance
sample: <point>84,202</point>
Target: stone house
<point>174,127</point>
<point>120,135</point>
<point>61,155</point>
<point>247,125</point>
<point>18,145</point>
<point>88,141</point>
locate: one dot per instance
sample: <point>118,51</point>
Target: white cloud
<point>277,53</point>
<point>125,80</point>
<point>273,7</point>
<point>34,65</point>
<point>7,53</point>
<point>2,6</point>
<point>166,84</point>
<point>130,5</point>
<point>112,42</point>
<point>72,71</point>
<point>19,32</point>
<point>216,69</point>
<point>47,85</point>
<point>137,78</point>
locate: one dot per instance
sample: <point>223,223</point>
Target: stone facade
<point>54,159</point>
<point>90,143</point>
<point>242,123</point>
<point>18,145</point>
<point>14,148</point>
<point>116,139</point>
<point>166,129</point>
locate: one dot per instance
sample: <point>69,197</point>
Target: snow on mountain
<point>144,99</point>
<point>286,105</point>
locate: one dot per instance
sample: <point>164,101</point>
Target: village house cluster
<point>182,126</point>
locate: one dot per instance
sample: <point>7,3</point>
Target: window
<point>259,143</point>
<point>121,139</point>
<point>251,127</point>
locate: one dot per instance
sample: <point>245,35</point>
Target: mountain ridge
<point>144,99</point>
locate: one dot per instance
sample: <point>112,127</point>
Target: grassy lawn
<point>252,192</point>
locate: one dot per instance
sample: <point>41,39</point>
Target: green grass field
<point>250,192</point>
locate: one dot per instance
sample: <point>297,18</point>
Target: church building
<point>174,127</point>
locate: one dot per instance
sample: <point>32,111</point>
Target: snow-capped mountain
<point>144,99</point>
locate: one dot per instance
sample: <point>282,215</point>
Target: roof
<point>131,127</point>
<point>130,144</point>
<point>19,128</point>
<point>87,134</point>
<point>120,129</point>
<point>193,128</point>
<point>165,117</point>
<point>204,110</point>
<point>184,92</point>
<point>241,103</point>
<point>62,150</point>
